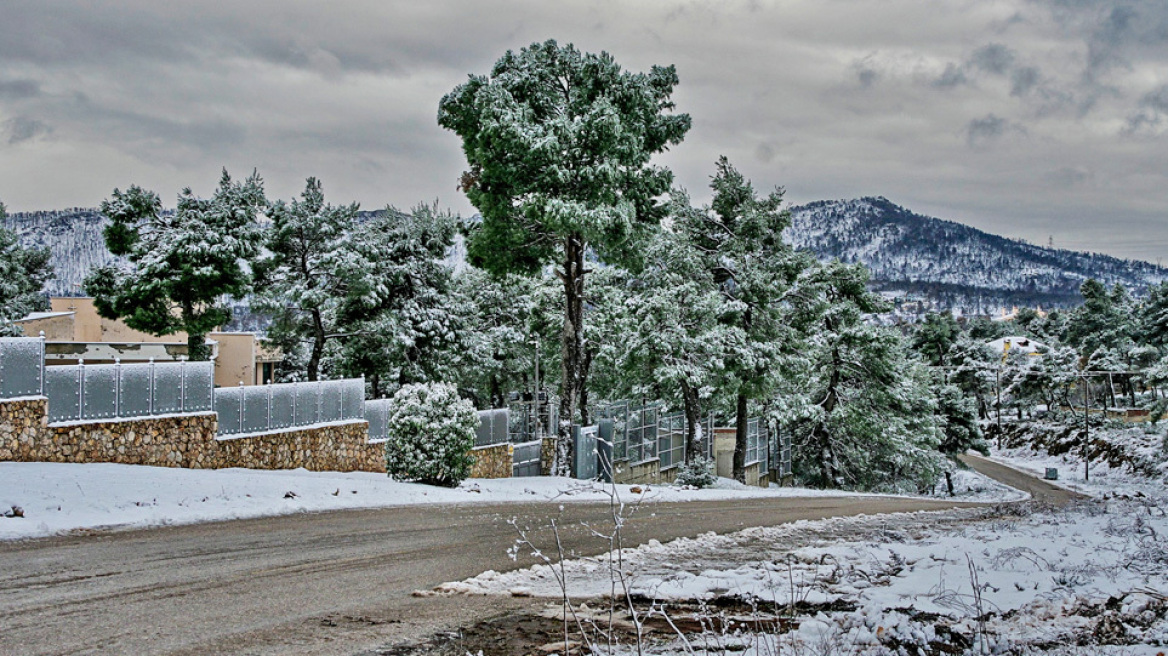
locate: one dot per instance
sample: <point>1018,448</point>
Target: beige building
<point>74,331</point>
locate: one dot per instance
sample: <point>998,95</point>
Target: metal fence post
<point>242,401</point>
<point>80,388</point>
<point>41,367</point>
<point>182,383</point>
<point>117,387</point>
<point>269,421</point>
<point>151,386</point>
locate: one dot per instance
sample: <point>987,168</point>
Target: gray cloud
<point>952,76</point>
<point>22,128</point>
<point>827,99</point>
<point>1023,80</point>
<point>989,128</point>
<point>992,58</point>
<point>19,89</point>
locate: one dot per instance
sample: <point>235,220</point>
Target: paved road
<point>328,583</point>
<point>1042,491</point>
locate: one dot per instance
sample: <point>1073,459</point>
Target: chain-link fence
<point>264,408</point>
<point>93,392</point>
<point>22,363</point>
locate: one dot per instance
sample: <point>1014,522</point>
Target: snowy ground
<point>1089,579</point>
<point>868,584</point>
<point>1098,481</point>
<point>59,498</point>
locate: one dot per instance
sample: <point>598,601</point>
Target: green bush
<point>431,434</point>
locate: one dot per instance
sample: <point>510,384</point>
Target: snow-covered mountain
<point>952,264</point>
<point>945,263</point>
<point>75,238</point>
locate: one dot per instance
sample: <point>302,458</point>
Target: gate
<point>584,453</point>
<point>526,459</point>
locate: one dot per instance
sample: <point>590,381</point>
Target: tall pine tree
<point>558,144</point>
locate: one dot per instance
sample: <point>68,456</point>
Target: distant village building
<point>75,332</point>
<point>1016,343</point>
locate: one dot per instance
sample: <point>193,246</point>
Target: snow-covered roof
<point>43,315</point>
<point>1029,345</point>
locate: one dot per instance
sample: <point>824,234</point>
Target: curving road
<point>328,583</point>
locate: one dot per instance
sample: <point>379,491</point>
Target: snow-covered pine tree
<point>740,237</point>
<point>498,337</point>
<point>308,273</point>
<point>179,267</point>
<point>558,144</point>
<point>431,433</point>
<point>673,346</point>
<point>867,422</point>
<point>399,318</point>
<point>23,272</point>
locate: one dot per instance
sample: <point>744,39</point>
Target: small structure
<point>75,332</point>
<point>1016,343</point>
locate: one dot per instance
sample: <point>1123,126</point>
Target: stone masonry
<point>181,441</point>
<point>492,461</point>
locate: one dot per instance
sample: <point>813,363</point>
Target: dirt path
<point>1042,491</point>
<point>328,583</point>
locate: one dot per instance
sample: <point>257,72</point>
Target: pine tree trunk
<point>740,419</point>
<point>317,346</point>
<point>197,350</point>
<point>693,446</point>
<point>572,350</point>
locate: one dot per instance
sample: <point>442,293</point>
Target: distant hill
<point>950,264</point>
<point>953,264</point>
<point>74,236</point>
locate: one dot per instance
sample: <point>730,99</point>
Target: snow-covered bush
<point>431,433</point>
<point>696,473</point>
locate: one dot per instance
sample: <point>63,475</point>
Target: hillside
<point>951,263</point>
<point>947,263</point>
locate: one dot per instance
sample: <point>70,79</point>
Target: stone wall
<point>644,473</point>
<point>22,422</point>
<point>181,441</point>
<point>493,461</point>
<point>330,447</point>
<point>547,456</point>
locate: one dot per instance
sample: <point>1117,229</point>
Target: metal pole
<point>81,389</point>
<point>538,423</point>
<point>1086,429</point>
<point>998,385</point>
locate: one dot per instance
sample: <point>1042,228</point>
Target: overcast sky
<point>1029,118</point>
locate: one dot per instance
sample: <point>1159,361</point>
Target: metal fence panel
<point>584,453</point>
<point>307,403</point>
<point>228,405</point>
<point>134,390</point>
<point>63,389</point>
<point>331,397</point>
<point>377,414</point>
<point>168,380</point>
<point>99,391</point>
<point>22,363</point>
<point>283,406</point>
<point>198,386</point>
<point>526,459</point>
<point>255,409</point>
<point>494,427</point>
<point>671,440</point>
<point>353,398</point>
